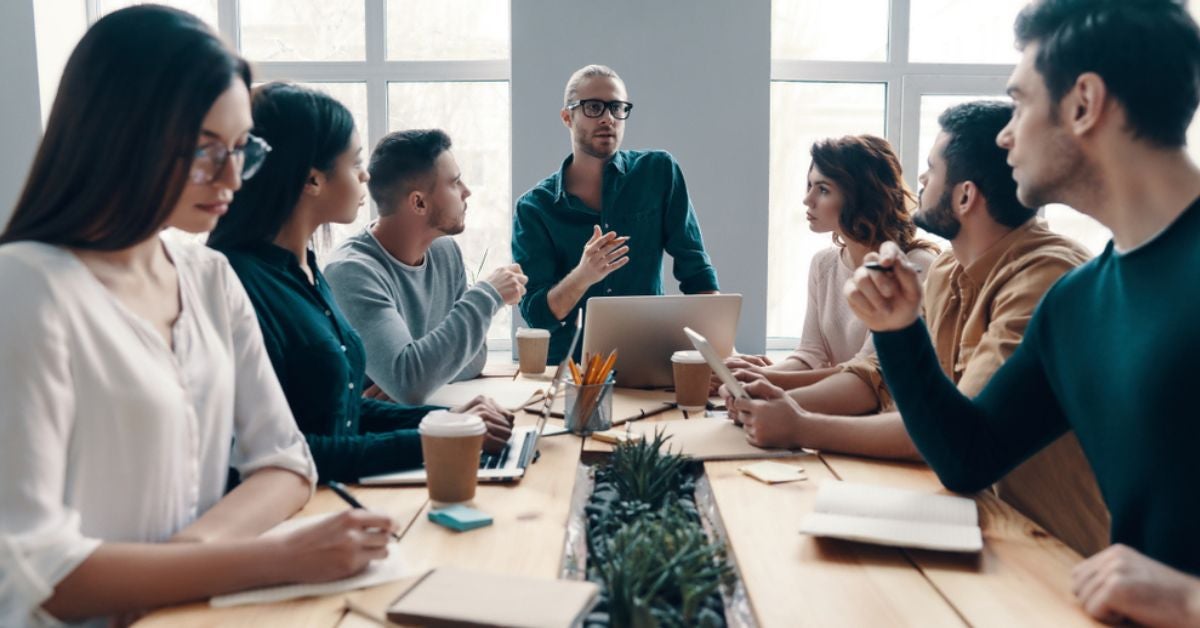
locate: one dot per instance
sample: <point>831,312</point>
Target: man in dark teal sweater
<point>1104,93</point>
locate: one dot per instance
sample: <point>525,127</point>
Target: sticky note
<point>774,472</point>
<point>460,518</point>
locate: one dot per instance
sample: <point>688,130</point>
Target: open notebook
<point>891,516</point>
<point>510,394</point>
<point>378,572</point>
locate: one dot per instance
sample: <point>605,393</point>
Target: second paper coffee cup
<point>533,345</point>
<point>692,375</point>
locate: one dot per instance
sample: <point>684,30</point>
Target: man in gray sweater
<point>401,282</point>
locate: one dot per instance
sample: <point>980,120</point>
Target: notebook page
<point>377,572</point>
<point>879,502</point>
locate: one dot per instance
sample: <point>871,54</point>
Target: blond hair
<point>584,73</point>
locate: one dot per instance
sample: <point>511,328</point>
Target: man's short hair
<point>971,154</point>
<point>1147,52</point>
<point>402,162</point>
<point>583,74</point>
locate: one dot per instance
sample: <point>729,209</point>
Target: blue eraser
<point>459,517</point>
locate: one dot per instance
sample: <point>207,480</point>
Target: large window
<point>395,64</point>
<point>873,66</point>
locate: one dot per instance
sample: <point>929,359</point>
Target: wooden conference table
<point>1022,577</point>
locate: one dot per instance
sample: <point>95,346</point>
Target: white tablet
<point>716,363</point>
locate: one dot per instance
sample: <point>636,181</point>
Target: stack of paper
<point>890,516</point>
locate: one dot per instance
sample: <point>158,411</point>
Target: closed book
<point>449,596</point>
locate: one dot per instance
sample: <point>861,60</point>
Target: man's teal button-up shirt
<point>645,198</point>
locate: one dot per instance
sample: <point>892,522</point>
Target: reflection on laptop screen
<point>556,383</point>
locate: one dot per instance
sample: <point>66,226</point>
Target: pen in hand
<point>340,490</point>
<point>876,266</point>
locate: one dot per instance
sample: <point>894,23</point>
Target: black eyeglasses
<point>209,160</point>
<point>594,107</point>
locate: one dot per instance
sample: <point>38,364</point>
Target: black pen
<point>881,268</point>
<point>340,490</point>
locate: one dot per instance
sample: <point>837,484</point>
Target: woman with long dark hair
<point>132,370</point>
<point>315,177</point>
<point>856,192</point>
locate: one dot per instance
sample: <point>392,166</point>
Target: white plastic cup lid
<point>443,423</point>
<point>530,332</point>
<point>687,357</point>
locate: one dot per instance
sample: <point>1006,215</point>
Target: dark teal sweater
<point>320,361</point>
<point>1111,352</point>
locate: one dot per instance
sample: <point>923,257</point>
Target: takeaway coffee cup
<point>532,347</point>
<point>451,444</point>
<point>692,375</point>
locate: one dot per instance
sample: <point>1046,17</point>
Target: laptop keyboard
<point>495,461</point>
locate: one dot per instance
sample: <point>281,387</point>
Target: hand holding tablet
<point>716,364</point>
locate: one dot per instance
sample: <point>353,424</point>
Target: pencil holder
<point>588,407</point>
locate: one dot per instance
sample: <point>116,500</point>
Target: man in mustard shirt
<point>979,297</point>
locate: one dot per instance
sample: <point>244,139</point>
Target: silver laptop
<point>645,331</point>
<point>508,465</point>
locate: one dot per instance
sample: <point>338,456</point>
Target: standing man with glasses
<point>600,225</point>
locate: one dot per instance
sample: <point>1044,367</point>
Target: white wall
<point>20,117</point>
<point>698,72</point>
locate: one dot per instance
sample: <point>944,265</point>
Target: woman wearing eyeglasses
<point>315,176</point>
<point>132,370</point>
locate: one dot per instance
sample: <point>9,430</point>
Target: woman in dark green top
<point>314,176</point>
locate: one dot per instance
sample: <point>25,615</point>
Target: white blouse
<point>106,433</point>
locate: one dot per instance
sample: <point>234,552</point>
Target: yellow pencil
<point>593,365</point>
<point>607,368</point>
<point>575,372</point>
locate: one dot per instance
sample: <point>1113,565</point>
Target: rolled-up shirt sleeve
<point>866,368</point>
<point>265,432</point>
<point>683,240</point>
<point>40,538</point>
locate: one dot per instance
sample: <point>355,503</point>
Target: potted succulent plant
<point>647,548</point>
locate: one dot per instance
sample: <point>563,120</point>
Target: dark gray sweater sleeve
<point>409,369</point>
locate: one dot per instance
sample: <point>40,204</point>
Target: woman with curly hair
<point>856,192</point>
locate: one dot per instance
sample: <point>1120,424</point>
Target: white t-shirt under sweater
<point>832,333</point>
